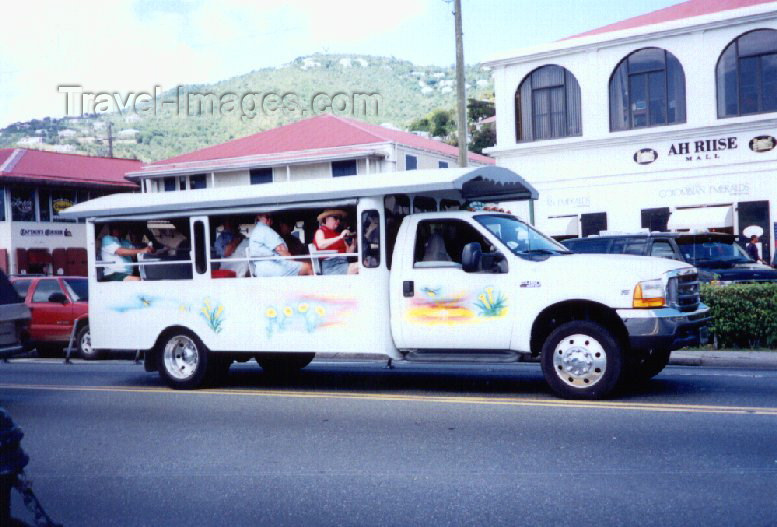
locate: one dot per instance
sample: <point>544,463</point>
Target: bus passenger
<point>327,237</point>
<point>264,242</point>
<point>119,252</point>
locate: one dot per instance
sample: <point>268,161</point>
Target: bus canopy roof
<point>489,183</point>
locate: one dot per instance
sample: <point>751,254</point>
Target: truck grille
<point>683,291</point>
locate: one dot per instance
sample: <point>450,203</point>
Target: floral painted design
<point>491,303</point>
<point>213,315</point>
<point>436,307</point>
<point>307,313</point>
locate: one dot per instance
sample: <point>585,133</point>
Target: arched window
<point>647,89</point>
<point>547,105</point>
<point>747,75</point>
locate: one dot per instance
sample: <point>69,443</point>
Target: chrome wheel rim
<point>181,357</point>
<point>86,344</point>
<point>579,361</point>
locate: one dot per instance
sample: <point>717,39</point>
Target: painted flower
<point>320,311</point>
<point>288,311</point>
<point>303,308</point>
<point>271,313</point>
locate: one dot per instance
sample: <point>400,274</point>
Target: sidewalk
<point>726,359</point>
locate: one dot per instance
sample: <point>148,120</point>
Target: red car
<point>57,303</point>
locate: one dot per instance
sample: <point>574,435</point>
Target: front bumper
<point>665,328</point>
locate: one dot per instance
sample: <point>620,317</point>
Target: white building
<point>321,147</point>
<point>666,120</point>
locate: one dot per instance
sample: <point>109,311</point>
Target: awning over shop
<point>561,226</point>
<point>702,218</point>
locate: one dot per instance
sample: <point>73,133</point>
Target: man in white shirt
<point>265,242</point>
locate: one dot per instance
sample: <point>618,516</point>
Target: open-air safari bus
<point>437,279</point>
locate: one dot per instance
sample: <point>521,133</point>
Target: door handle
<point>407,289</point>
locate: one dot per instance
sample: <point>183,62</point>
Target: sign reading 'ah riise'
<point>705,149</point>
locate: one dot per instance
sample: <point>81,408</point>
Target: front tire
<point>182,360</point>
<point>84,344</point>
<point>581,360</point>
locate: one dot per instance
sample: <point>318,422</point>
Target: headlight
<point>649,294</point>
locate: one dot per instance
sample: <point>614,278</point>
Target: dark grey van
<point>14,317</point>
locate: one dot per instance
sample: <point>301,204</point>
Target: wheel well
<point>80,323</point>
<point>552,316</point>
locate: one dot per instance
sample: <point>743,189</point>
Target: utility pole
<point>461,89</point>
<point>110,139</point>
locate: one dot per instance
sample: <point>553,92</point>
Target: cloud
<point>124,45</point>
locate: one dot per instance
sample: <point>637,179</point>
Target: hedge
<point>743,315</point>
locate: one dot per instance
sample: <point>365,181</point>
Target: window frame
<point>720,79</point>
<point>570,88</point>
<point>669,61</point>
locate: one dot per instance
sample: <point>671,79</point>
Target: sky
<point>133,45</point>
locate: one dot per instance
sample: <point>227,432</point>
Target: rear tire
<point>581,360</point>
<point>283,363</point>
<point>182,360</point>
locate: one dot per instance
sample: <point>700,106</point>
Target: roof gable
<point>316,133</point>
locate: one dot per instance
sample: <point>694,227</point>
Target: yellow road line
<point>503,401</point>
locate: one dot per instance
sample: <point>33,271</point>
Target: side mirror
<point>58,298</point>
<point>470,257</point>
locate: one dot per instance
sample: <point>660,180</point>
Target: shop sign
<point>46,232</point>
<point>692,151</point>
<point>575,202</point>
<point>61,204</point>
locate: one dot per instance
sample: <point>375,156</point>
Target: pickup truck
<point>717,256</point>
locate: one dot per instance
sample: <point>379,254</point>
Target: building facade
<point>319,147</point>
<point>35,186</point>
<point>666,121</point>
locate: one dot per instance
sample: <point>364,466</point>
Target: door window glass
<point>21,287</point>
<point>662,249</point>
<point>45,289</point>
<point>370,238</point>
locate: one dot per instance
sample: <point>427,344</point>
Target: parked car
<point>717,256</point>
<point>14,318</point>
<point>57,303</point>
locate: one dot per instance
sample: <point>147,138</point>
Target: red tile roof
<point>54,167</point>
<point>688,9</point>
<point>320,132</point>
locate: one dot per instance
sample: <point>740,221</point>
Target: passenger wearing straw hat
<point>328,237</point>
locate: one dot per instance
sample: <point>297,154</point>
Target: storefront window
<point>22,205</point>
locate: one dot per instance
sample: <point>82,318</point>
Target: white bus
<point>431,281</point>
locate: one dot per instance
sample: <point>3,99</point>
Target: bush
<point>743,315</point>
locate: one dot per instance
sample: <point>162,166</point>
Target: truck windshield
<point>519,237</point>
<point>706,252</point>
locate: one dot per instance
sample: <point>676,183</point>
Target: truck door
<point>436,304</point>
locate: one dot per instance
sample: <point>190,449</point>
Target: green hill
<point>392,91</point>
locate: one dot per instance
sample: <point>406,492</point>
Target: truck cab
<point>486,284</point>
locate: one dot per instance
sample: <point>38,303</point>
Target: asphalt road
<point>356,444</point>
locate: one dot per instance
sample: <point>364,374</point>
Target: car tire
<point>581,360</point>
<point>283,363</point>
<point>182,359</point>
<point>84,344</point>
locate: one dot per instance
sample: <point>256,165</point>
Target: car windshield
<point>697,251</point>
<point>78,289</point>
<point>520,238</point>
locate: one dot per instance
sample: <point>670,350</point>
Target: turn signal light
<point>647,299</point>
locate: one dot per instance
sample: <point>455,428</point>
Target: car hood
<point>612,266</point>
